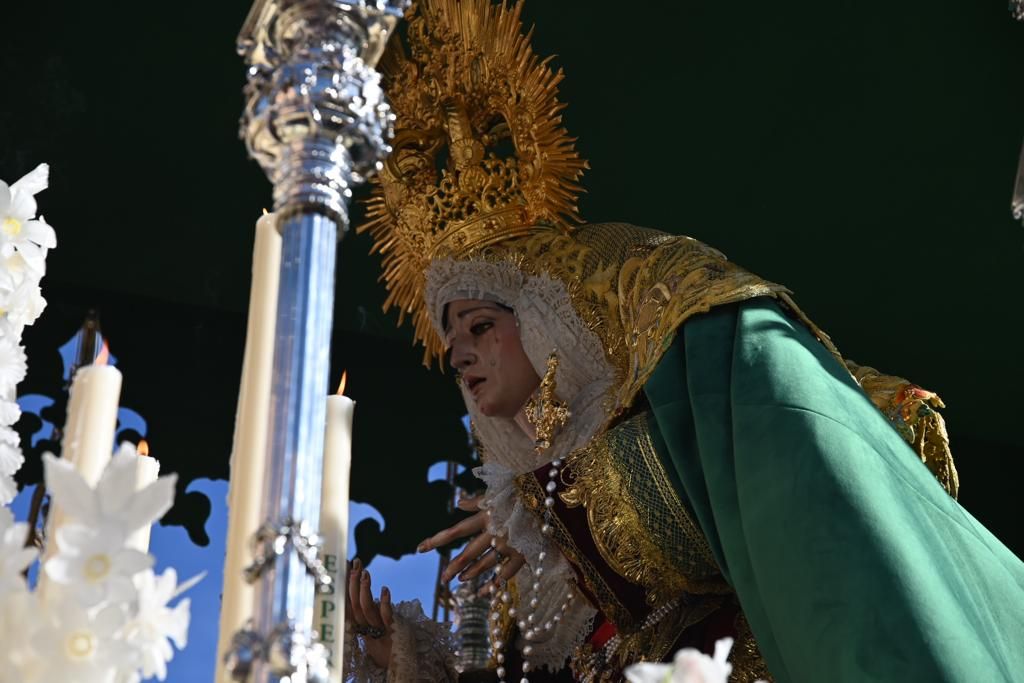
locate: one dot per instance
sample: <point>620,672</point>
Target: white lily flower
<point>688,666</point>
<point>14,556</point>
<point>155,624</point>
<point>114,504</point>
<point>96,564</point>
<point>20,231</point>
<point>13,365</point>
<point>81,645</point>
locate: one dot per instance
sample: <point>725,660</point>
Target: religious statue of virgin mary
<point>673,452</point>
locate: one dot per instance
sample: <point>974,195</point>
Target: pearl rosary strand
<point>528,626</point>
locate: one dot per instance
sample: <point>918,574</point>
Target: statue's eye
<point>479,328</point>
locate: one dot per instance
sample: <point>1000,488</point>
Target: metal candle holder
<point>317,121</point>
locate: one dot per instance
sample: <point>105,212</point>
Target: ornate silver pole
<point>317,122</point>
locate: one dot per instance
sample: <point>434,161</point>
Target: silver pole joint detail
<point>272,541</point>
<point>291,655</point>
<point>316,118</point>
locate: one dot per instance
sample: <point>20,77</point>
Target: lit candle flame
<point>265,212</point>
<point>103,356</point>
<point>143,448</point>
<point>344,379</point>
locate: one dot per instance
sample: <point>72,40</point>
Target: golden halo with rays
<point>468,84</point>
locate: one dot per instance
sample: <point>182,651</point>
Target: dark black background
<point>863,153</point>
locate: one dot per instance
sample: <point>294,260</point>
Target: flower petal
<point>11,459</point>
<point>21,559</point>
<point>34,256</point>
<point>9,436</point>
<point>33,182</point>
<point>10,411</point>
<point>62,568</point>
<point>722,647</point>
<point>70,491</point>
<point>130,561</point>
<point>120,590</point>
<point>646,672</point>
<point>8,489</point>
<point>177,630</point>
<point>188,584</point>
<point>117,484</point>
<point>23,205</point>
<point>149,504</point>
<point>40,232</point>
<point>163,586</point>
<point>77,539</point>
<point>5,200</point>
<point>108,620</point>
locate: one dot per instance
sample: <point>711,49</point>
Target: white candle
<point>249,448</point>
<point>89,432</point>
<point>88,439</point>
<point>147,470</point>
<point>328,619</point>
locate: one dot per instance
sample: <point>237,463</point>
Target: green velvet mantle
<point>850,561</point>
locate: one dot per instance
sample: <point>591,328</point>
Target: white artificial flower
<point>11,458</point>
<point>22,304</point>
<point>13,365</point>
<point>10,411</point>
<point>8,489</point>
<point>9,436</point>
<point>114,504</point>
<point>80,645</point>
<point>688,666</point>
<point>14,556</point>
<point>95,563</point>
<point>155,624</point>
<point>20,231</point>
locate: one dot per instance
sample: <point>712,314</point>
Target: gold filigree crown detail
<point>479,154</point>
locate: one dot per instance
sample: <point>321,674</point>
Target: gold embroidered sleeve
<point>913,411</point>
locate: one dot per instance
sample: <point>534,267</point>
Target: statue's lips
<point>472,383</point>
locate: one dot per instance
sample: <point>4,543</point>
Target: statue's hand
<point>370,619</point>
<point>484,552</point>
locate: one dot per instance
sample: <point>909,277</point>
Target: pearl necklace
<point>528,625</point>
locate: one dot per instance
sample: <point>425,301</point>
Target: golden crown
<point>469,85</point>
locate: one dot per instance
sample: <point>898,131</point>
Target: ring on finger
<point>376,632</point>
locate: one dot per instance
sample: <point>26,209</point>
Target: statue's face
<point>485,349</point>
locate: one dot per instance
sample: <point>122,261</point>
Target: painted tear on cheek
<point>495,348</point>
